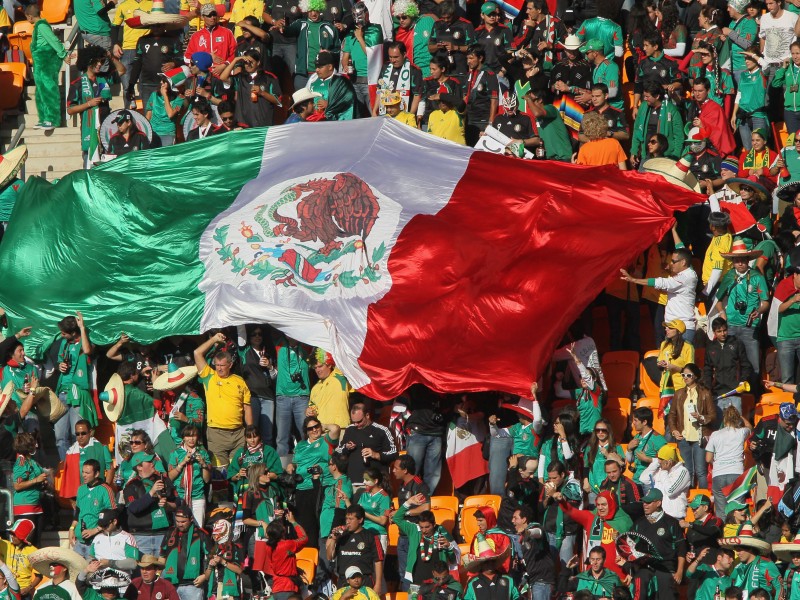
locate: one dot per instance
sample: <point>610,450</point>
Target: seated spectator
<point>128,137</point>
<point>445,121</point>
<point>705,529</point>
<point>303,106</point>
<point>114,547</point>
<point>392,103</point>
<point>150,584</point>
<point>202,113</point>
<point>355,588</point>
<point>600,579</point>
<point>376,500</point>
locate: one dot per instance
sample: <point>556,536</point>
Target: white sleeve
<point>649,472</point>
<point>678,51</point>
<point>566,450</point>
<point>560,391</point>
<point>538,421</point>
<point>12,581</point>
<point>540,468</point>
<point>713,279</point>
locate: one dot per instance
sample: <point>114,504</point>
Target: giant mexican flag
<point>410,258</point>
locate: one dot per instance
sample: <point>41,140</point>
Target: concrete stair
<point>54,154</point>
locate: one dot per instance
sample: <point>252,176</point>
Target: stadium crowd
<point>244,464</point>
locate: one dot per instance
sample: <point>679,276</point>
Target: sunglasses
<point>676,261</point>
<point>81,433</point>
<point>137,443</point>
<point>313,427</point>
<point>652,141</point>
<point>601,430</point>
<point>687,375</point>
<point>404,17</point>
<point>255,333</point>
<point>494,14</point>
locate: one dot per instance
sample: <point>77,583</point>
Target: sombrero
<point>669,170</point>
<point>739,250</point>
<point>113,398</point>
<point>787,191</point>
<point>634,547</point>
<point>156,18</point>
<point>746,538</point>
<point>48,404</point>
<point>523,407</point>
<point>174,377</point>
<point>784,551</point>
<point>736,184</point>
<point>110,578</point>
<point>485,552</point>
<point>571,42</point>
<point>6,395</point>
<point>109,128</point>
<point>11,163</point>
<point>41,560</point>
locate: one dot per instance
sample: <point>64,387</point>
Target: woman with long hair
<point>710,20</point>
<point>640,25</point>
<point>692,413</point>
<point>749,110</point>
<point>758,160</point>
<point>673,32</point>
<point>721,89</point>
<point>725,451</point>
<point>30,481</point>
<point>280,558</point>
<point>375,498</point>
<point>674,354</point>
<point>190,472</point>
<point>602,445</point>
<point>563,445</point>
<point>253,451</point>
<point>257,505</point>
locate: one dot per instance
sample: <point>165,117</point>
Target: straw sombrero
<point>156,18</point>
<point>175,377</point>
<point>113,398</point>
<point>739,250</point>
<point>784,551</point>
<point>11,163</point>
<point>753,182</point>
<point>746,538</point>
<point>669,170</point>
<point>48,404</point>
<point>41,560</point>
<point>6,395</point>
<point>485,552</point>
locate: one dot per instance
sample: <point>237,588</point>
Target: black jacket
<point>726,366</point>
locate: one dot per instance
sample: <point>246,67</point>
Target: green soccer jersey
<point>373,38</point>
<point>747,291</point>
<point>709,582</point>
<point>608,72</point>
<point>331,502</point>
<point>91,499</point>
<point>605,30</point>
<point>746,30</point>
<point>190,479</point>
<point>375,504</point>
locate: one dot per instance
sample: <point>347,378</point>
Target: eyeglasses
<point>598,430</point>
<point>137,443</point>
<point>313,427</point>
<point>676,261</point>
<point>687,375</point>
<point>81,433</point>
<point>403,17</point>
<point>652,142</point>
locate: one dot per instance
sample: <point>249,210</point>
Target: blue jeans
<point>746,132</point>
<point>149,544</point>
<point>128,56</point>
<point>287,409</point>
<point>426,450</point>
<point>499,450</point>
<point>82,549</point>
<point>688,335</point>
<point>402,561</point>
<point>541,591</point>
<point>263,416</point>
<point>190,592</point>
<point>565,552</point>
<point>792,119</point>
<point>64,428</point>
<point>720,499</point>
<point>694,457</point>
<point>747,335</point>
<point>788,354</point>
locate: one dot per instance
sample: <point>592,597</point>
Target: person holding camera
<point>150,498</point>
<point>291,390</point>
<point>311,457</point>
<point>190,471</point>
<point>742,297</point>
<point>253,452</point>
<point>353,546</point>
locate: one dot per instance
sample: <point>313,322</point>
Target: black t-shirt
<point>706,165</point>
<point>361,549</point>
<point>459,33</point>
<point>150,50</point>
<point>119,145</point>
<point>577,74</point>
<point>614,117</point>
<point>539,565</point>
<point>495,43</point>
<point>668,539</point>
<point>518,126</point>
<point>411,489</point>
<point>652,120</point>
<point>179,351</point>
<point>482,88</point>
<point>432,87</point>
<point>286,10</point>
<point>260,113</point>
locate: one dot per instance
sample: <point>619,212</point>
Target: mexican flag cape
<point>464,456</point>
<point>402,254</point>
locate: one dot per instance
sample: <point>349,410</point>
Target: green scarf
<point>184,563</point>
<point>784,443</point>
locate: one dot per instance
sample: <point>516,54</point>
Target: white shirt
<point>112,547</point>
<point>727,446</point>
<point>680,290</point>
<point>65,585</point>
<point>673,484</point>
<point>778,34</point>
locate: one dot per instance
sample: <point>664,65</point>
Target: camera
<point>741,306</point>
<point>315,470</point>
<point>298,378</point>
<point>288,482</point>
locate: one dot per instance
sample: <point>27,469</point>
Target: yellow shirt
<point>4,20</point>
<point>686,356</point>
<point>17,561</point>
<point>195,23</point>
<point>125,10</point>
<point>225,399</point>
<point>690,432</point>
<point>246,8</point>
<point>406,118</point>
<point>364,593</point>
<point>448,125</point>
<point>714,260</point>
<point>330,396</point>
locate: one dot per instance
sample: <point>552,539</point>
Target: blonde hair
<point>731,417</point>
<point>594,126</point>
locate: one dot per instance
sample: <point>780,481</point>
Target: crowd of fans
<point>238,451</point>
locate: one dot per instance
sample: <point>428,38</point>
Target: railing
<point>13,144</point>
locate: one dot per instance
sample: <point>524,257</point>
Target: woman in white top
<point>725,450</point>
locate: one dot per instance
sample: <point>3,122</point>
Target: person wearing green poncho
<point>599,580</point>
<point>338,100</point>
<point>74,383</point>
<point>47,52</point>
<point>253,452</point>
<point>187,549</point>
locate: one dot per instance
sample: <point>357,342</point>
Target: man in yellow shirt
<point>355,588</point>
<point>446,122</point>
<point>125,39</point>
<point>329,399</point>
<point>15,554</point>
<point>715,265</point>
<point>246,8</point>
<point>227,401</point>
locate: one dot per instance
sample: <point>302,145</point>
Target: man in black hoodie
<point>725,367</point>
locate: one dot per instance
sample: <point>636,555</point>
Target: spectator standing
<point>451,38</point>
<point>253,452</point>
<point>601,448</point>
<point>414,30</point>
<point>125,39</point>
<point>280,559</point>
<point>190,471</point>
<point>644,446</point>
<point>329,396</point>
<point>787,293</point>
<point>534,559</point>
<point>150,584</point>
<point>162,109</point>
<point>725,452</point>
<point>354,546</point>
<point>313,35</point>
<point>186,550</point>
<point>428,542</point>
<point>656,115</point>
<point>598,579</point>
<point>30,480</point>
<point>561,530</point>
<point>156,53</point>
<point>777,31</point>
<point>47,53</point>
<point>749,109</point>
<point>150,499</point>
<point>114,547</point>
<point>726,365</point>
<point>624,489</point>
<point>742,32</point>
<point>711,579</point>
<point>257,90</point>
<point>360,52</point>
<point>706,529</point>
<point>411,486</point>
<point>94,496</point>
<point>787,76</point>
<point>226,565</point>
<point>755,569</point>
<point>227,401</point>
<point>15,552</point>
<point>426,429</point>
<point>291,391</point>
<point>365,443</point>
<point>213,38</point>
<point>670,477</point>
<point>95,26</point>
<point>401,76</point>
<point>494,37</point>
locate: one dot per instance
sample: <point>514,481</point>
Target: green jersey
<point>373,39</point>
<point>138,406</point>
<point>747,290</point>
<point>189,483</point>
<point>375,504</point>
<point>605,30</point>
<point>608,72</point>
<point>710,582</point>
<point>91,499</point>
<point>331,503</point>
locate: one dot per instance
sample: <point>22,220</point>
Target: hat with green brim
<point>593,45</point>
<point>700,500</point>
<point>734,505</point>
<point>489,7</point>
<point>142,457</point>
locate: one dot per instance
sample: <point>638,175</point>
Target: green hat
<point>489,7</point>
<point>700,500</point>
<point>653,495</point>
<point>595,45</point>
<point>142,457</point>
<point>734,505</point>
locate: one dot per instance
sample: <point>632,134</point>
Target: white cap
<point>304,94</point>
<point>352,572</point>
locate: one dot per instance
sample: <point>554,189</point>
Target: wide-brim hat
<point>739,250</point>
<point>11,162</point>
<point>736,184</point>
<point>110,578</point>
<point>486,552</point>
<point>113,398</point>
<point>109,128</point>
<point>48,404</point>
<point>784,551</point>
<point>156,18</point>
<point>523,407</point>
<point>22,528</point>
<point>788,191</point>
<point>668,169</point>
<point>149,560</point>
<point>6,396</point>
<point>42,559</point>
<point>635,547</point>
<point>302,95</point>
<point>746,538</point>
<point>175,377</point>
<point>571,42</point>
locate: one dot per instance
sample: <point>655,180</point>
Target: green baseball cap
<point>142,457</point>
<point>700,500</point>
<point>595,45</point>
<point>734,505</point>
<point>653,495</point>
<point>489,7</point>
